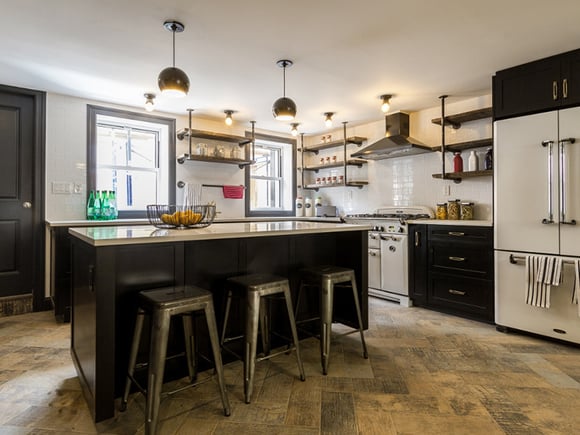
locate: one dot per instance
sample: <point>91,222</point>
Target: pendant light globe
<point>173,81</point>
<point>284,109</point>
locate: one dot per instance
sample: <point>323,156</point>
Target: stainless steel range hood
<point>396,143</point>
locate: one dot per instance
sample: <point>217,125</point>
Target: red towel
<point>233,192</point>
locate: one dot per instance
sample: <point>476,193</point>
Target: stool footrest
<point>272,355</point>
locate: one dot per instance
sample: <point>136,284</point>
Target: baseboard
<point>12,305</point>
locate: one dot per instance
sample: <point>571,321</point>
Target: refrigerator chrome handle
<point>417,239</point>
<point>550,145</point>
<point>563,178</point>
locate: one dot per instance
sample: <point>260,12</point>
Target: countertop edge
<point>479,223</point>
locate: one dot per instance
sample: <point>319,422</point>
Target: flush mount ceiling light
<point>284,109</point>
<point>386,105</point>
<point>149,103</point>
<point>328,119</point>
<point>229,114</point>
<point>294,129</point>
<point>173,81</point>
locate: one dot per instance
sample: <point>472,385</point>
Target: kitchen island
<point>111,264</point>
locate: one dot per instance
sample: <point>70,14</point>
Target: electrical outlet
<point>78,188</point>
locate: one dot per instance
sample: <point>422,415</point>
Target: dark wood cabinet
<point>451,269</point>
<point>538,86</point>
<point>418,264</point>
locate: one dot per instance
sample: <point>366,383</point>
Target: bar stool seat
<point>256,289</point>
<point>161,304</point>
<point>328,279</point>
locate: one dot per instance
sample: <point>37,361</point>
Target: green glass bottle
<point>97,206</point>
<point>114,212</point>
<point>105,206</point>
<point>91,206</point>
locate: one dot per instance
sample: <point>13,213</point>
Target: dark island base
<point>106,280</point>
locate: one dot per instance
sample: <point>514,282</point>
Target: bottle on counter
<point>473,162</point>
<point>308,208</point>
<point>488,162</point>
<point>457,162</point>
<point>299,206</point>
<point>91,206</point>
<point>97,205</point>
<point>114,212</point>
<point>105,206</point>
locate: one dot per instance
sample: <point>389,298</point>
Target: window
<point>270,179</point>
<point>132,154</point>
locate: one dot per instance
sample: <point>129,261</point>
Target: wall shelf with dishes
<point>231,155</point>
<point>334,163</point>
<point>455,121</point>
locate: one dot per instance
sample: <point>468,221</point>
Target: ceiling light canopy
<point>386,105</point>
<point>149,103</point>
<point>229,119</point>
<point>294,129</point>
<point>328,119</point>
<point>173,81</point>
<point>284,109</point>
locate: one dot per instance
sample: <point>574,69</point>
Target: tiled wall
<point>399,181</point>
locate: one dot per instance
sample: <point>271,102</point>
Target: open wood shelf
<point>222,137</point>
<point>336,143</point>
<point>480,143</point>
<point>359,184</point>
<point>349,162</point>
<point>240,162</point>
<point>462,175</point>
<point>456,120</point>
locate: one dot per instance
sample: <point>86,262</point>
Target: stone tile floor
<point>428,373</point>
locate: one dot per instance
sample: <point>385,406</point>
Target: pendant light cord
<point>284,81</point>
<point>173,31</point>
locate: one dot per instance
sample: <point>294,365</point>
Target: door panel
<point>521,183</point>
<point>570,128</point>
<point>17,175</point>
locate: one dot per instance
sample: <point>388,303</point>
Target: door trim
<point>39,301</point>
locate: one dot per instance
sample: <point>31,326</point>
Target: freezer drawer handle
<point>456,292</point>
<point>456,233</point>
<point>550,145</point>
<point>563,178</point>
<point>457,258</point>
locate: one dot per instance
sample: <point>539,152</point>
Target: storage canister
<point>466,211</point>
<point>453,209</point>
<point>441,211</point>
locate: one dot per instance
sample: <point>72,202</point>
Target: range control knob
<point>401,230</point>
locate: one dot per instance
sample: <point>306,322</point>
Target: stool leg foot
<point>133,357</point>
<point>213,337</point>
<point>294,332</point>
<point>327,300</point>
<point>158,351</point>
<point>251,338</point>
<point>359,315</point>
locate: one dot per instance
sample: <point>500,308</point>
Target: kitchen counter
<point>130,235</point>
<point>478,223</point>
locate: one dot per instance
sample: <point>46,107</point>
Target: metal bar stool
<point>257,288</point>
<point>327,278</point>
<point>162,304</point>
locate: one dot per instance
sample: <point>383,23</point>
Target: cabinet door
<point>522,191</point>
<point>528,88</point>
<point>571,78</point>
<point>570,129</point>
<point>418,264</point>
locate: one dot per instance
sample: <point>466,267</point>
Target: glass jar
<point>453,209</point>
<point>466,211</point>
<point>441,211</point>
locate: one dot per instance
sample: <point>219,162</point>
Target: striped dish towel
<point>542,272</point>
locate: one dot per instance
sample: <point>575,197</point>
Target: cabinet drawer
<point>461,293</point>
<point>461,235</point>
<point>476,262</point>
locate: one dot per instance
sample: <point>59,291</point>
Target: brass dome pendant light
<point>173,81</point>
<point>284,109</point>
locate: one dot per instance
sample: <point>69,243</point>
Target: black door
<point>21,145</point>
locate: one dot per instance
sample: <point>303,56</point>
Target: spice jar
<point>467,210</point>
<point>453,209</point>
<point>441,211</point>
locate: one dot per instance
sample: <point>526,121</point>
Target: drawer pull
<point>554,90</point>
<point>457,258</point>
<point>565,88</point>
<point>456,233</point>
<point>456,292</point>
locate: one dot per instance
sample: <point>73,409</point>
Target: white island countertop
<point>139,234</point>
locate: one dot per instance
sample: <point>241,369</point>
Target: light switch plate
<point>62,188</point>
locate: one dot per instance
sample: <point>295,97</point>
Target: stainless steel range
<point>388,251</point>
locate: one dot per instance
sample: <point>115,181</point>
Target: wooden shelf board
<point>461,175</point>
<point>358,140</point>
<point>350,162</point>
<point>467,145</point>
<point>458,119</point>
<point>358,184</point>
<point>222,137</point>
<point>239,162</point>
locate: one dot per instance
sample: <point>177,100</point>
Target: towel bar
<point>514,259</point>
<point>181,185</point>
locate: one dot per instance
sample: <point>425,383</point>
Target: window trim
<point>248,169</point>
<point>92,112</point>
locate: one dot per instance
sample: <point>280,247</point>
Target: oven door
<point>394,277</point>
<point>374,268</point>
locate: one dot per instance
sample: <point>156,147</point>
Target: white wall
<point>408,180</point>
<point>399,181</point>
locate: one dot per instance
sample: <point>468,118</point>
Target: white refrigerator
<point>537,211</point>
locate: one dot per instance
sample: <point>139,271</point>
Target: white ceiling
<point>346,53</point>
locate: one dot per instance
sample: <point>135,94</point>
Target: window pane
<point>135,189</point>
<point>142,153</point>
<point>265,194</point>
<point>112,145</point>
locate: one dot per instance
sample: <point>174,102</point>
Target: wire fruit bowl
<point>181,216</point>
